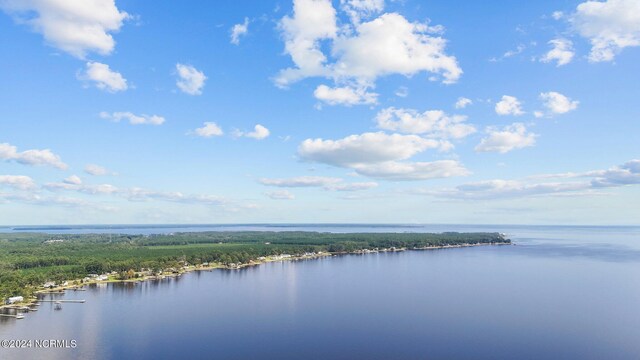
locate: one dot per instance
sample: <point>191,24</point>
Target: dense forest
<point>30,259</point>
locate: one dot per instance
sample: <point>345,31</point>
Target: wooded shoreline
<point>37,263</point>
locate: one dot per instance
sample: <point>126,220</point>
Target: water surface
<point>561,292</point>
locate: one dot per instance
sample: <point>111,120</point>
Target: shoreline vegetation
<point>35,263</point>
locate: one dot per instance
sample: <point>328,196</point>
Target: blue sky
<point>317,111</point>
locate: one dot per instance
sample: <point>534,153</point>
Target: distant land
<point>31,262</point>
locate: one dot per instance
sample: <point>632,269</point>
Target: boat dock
<point>15,316</point>
<point>62,301</point>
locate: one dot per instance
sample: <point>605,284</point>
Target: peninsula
<point>36,262</point>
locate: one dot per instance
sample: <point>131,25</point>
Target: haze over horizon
<point>318,111</point>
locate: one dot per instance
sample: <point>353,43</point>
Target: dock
<point>63,301</point>
<point>15,316</point>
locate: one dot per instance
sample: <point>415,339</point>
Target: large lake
<point>560,293</point>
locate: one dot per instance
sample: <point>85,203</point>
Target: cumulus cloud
<point>509,105</point>
<point>190,80</point>
<point>239,30</point>
<point>19,182</point>
<point>405,171</point>
<point>132,118</point>
<point>557,103</point>
<point>9,152</point>
<point>595,181</point>
<point>366,148</point>
<point>499,189</point>
<point>360,52</point>
<point>100,189</point>
<point>96,170</point>
<point>209,129</point>
<point>103,77</point>
<point>433,123</point>
<point>462,103</point>
<point>610,26</point>
<point>280,195</point>
<point>301,181</point>
<point>380,155</point>
<point>625,174</point>
<point>511,137</point>
<point>327,183</point>
<point>312,21</point>
<point>76,27</point>
<point>140,194</point>
<point>259,132</point>
<point>356,186</point>
<point>345,95</point>
<point>561,52</point>
<point>361,9</point>
<point>390,44</point>
<point>73,180</point>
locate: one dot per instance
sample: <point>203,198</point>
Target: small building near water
<point>14,299</point>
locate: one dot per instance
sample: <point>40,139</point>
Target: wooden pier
<point>63,301</point>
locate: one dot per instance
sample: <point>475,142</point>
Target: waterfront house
<point>14,299</point>
<point>49,284</point>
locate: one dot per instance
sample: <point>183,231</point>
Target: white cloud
<point>31,157</point>
<point>511,137</point>
<point>379,155</point>
<point>518,50</point>
<point>103,77</point>
<point>361,9</point>
<point>327,183</point>
<point>132,118</point>
<point>509,105</point>
<point>433,123</point>
<point>73,180</point>
<point>301,181</point>
<point>367,148</point>
<point>356,186</point>
<point>96,170</point>
<point>312,21</point>
<point>100,189</point>
<point>239,30</point>
<point>402,91</point>
<point>557,15</point>
<point>19,182</point>
<point>626,174</point>
<point>280,195</point>
<point>191,81</point>
<point>462,103</point>
<point>390,44</point>
<point>345,95</point>
<point>404,171</point>
<point>360,52</point>
<point>610,26</point>
<point>557,103</point>
<point>209,129</point>
<point>562,52</point>
<point>76,27</point>
<point>498,189</point>
<point>259,132</point>
<point>141,194</point>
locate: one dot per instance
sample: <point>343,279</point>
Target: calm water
<point>561,292</point>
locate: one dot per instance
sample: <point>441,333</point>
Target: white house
<point>14,299</point>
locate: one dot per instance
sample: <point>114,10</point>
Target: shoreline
<point>167,273</point>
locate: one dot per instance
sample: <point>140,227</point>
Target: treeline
<point>28,260</point>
